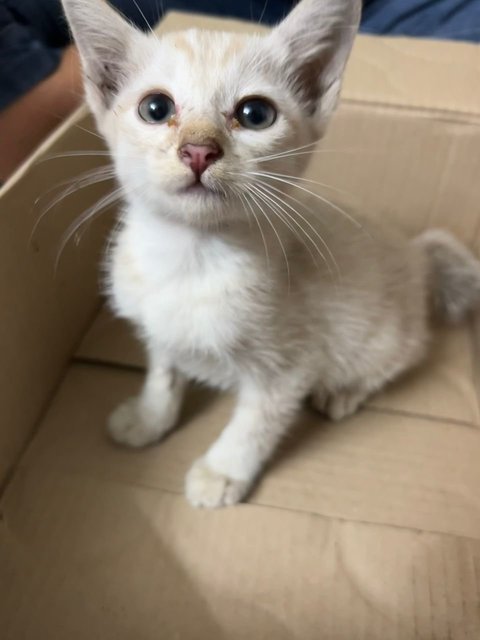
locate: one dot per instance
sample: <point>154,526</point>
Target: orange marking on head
<point>236,44</point>
<point>181,42</point>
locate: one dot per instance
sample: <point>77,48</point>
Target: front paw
<point>130,426</point>
<point>205,487</point>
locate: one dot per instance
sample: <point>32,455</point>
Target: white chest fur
<point>192,294</point>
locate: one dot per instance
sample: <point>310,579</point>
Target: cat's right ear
<point>312,46</point>
<point>105,41</point>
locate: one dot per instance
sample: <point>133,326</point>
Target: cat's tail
<point>454,275</point>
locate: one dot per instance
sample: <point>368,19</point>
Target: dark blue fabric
<point>447,19</point>
<point>33,32</point>
<point>268,12</point>
<point>26,57</point>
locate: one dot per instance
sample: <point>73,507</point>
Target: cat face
<point>191,130</point>
<point>195,119</point>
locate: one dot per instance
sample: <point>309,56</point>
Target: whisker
<point>93,133</point>
<point>290,217</point>
<point>87,215</point>
<point>74,154</point>
<point>284,156</point>
<point>268,189</point>
<point>245,199</point>
<point>282,247</point>
<point>145,19</point>
<point>286,220</point>
<point>237,193</point>
<point>299,178</point>
<point>296,200</point>
<point>321,198</point>
<point>281,153</point>
<point>89,153</point>
<point>77,178</point>
<point>91,179</point>
<point>263,12</point>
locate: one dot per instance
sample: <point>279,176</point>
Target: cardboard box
<point>364,530</point>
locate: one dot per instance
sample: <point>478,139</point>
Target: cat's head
<point>194,118</point>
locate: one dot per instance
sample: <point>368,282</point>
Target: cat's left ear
<point>107,44</point>
<point>312,46</point>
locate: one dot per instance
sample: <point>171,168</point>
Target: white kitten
<point>231,275</point>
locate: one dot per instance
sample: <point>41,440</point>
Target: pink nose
<point>199,156</point>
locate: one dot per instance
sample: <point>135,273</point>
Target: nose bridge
<point>201,131</point>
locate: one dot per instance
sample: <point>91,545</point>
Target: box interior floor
<point>367,529</point>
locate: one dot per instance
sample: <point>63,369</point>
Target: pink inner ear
<point>315,40</point>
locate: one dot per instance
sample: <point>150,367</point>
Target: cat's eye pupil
<point>156,108</point>
<point>256,113</point>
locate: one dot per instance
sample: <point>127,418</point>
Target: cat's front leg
<point>225,474</point>
<point>146,418</point>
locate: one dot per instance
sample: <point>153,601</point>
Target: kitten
<point>232,272</point>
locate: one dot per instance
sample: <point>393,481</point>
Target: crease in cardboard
<point>444,114</point>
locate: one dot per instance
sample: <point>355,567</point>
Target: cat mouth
<point>199,188</point>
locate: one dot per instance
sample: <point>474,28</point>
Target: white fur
<point>254,287</point>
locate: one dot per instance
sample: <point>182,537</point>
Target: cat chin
<point>196,199</point>
<point>201,209</point>
<point>200,192</point>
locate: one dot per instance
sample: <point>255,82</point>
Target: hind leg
<point>339,404</point>
<point>339,400</point>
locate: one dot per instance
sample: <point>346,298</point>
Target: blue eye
<point>256,113</point>
<point>156,108</point>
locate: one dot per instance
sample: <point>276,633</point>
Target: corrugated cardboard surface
<point>368,529</point>
<point>45,307</point>
<point>125,562</point>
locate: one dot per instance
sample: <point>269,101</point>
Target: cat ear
<point>105,41</point>
<point>313,44</point>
